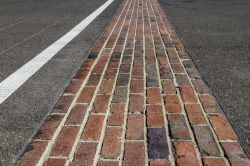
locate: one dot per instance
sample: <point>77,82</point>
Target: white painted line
<point>18,78</point>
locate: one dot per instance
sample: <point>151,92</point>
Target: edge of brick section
<point>222,113</point>
<point>89,53</point>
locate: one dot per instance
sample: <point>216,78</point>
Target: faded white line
<point>18,78</point>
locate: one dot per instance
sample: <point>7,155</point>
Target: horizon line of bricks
<point>137,100</point>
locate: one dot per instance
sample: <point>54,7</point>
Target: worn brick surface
<point>137,100</point>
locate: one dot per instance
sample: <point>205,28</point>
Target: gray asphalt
<point>26,28</point>
<point>216,34</point>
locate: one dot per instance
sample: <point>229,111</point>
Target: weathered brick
<point>32,153</point>
<point>168,87</point>
<point>187,94</point>
<point>155,116</point>
<point>222,128</point>
<point>159,163</point>
<point>82,74</point>
<point>112,143</point>
<point>49,127</point>
<point>178,127</point>
<point>113,64</point>
<point>125,68</point>
<point>116,117</point>
<point>108,163</point>
<point>101,103</point>
<point>195,115</point>
<point>63,104</point>
<point>137,73</point>
<point>182,80</point>
<point>85,154</point>
<point>86,95</point>
<point>135,127</point>
<point>55,162</point>
<point>172,104</point>
<point>93,128</point>
<point>122,80</point>
<point>76,115</point>
<point>233,150</point>
<point>106,86</point>
<point>134,154</point>
<point>209,104</point>
<point>206,141</point>
<point>120,95</point>
<point>64,141</point>
<point>136,103</point>
<point>200,86</point>
<point>185,153</point>
<point>93,79</point>
<point>137,86</point>
<point>153,96</point>
<point>157,143</point>
<point>88,63</point>
<point>214,161</point>
<point>126,59</point>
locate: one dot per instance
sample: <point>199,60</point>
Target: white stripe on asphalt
<point>18,78</point>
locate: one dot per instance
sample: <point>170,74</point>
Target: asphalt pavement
<point>216,34</point>
<point>26,28</point>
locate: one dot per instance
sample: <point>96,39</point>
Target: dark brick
<point>120,95</point>
<point>122,79</point>
<point>157,143</point>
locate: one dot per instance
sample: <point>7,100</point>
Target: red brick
<point>182,79</point>
<point>134,154</point>
<point>55,162</point>
<point>85,154</point>
<point>63,104</point>
<point>82,74</point>
<point>110,74</point>
<point>116,117</point>
<point>187,94</point>
<point>185,153</point>
<point>49,127</point>
<point>32,153</point>
<point>172,104</point>
<point>159,163</point>
<point>195,115</point>
<point>137,73</point>
<point>177,68</point>
<point>108,163</point>
<point>135,127</point>
<point>64,142</point>
<point>136,103</point>
<point>214,161</point>
<point>86,95</point>
<point>155,117</point>
<point>101,103</point>
<point>240,162</point>
<point>113,64</point>
<point>168,87</point>
<point>88,63</point>
<point>222,128</point>
<point>74,86</point>
<point>153,96</point>
<point>76,115</point>
<point>106,86</point>
<point>112,143</point>
<point>137,86</point>
<point>209,103</point>
<point>93,128</point>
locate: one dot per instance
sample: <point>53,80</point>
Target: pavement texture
<point>27,28</point>
<point>217,37</point>
<point>137,100</point>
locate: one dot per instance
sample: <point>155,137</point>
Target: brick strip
<point>137,100</point>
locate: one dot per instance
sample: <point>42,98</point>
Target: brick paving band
<point>137,100</point>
